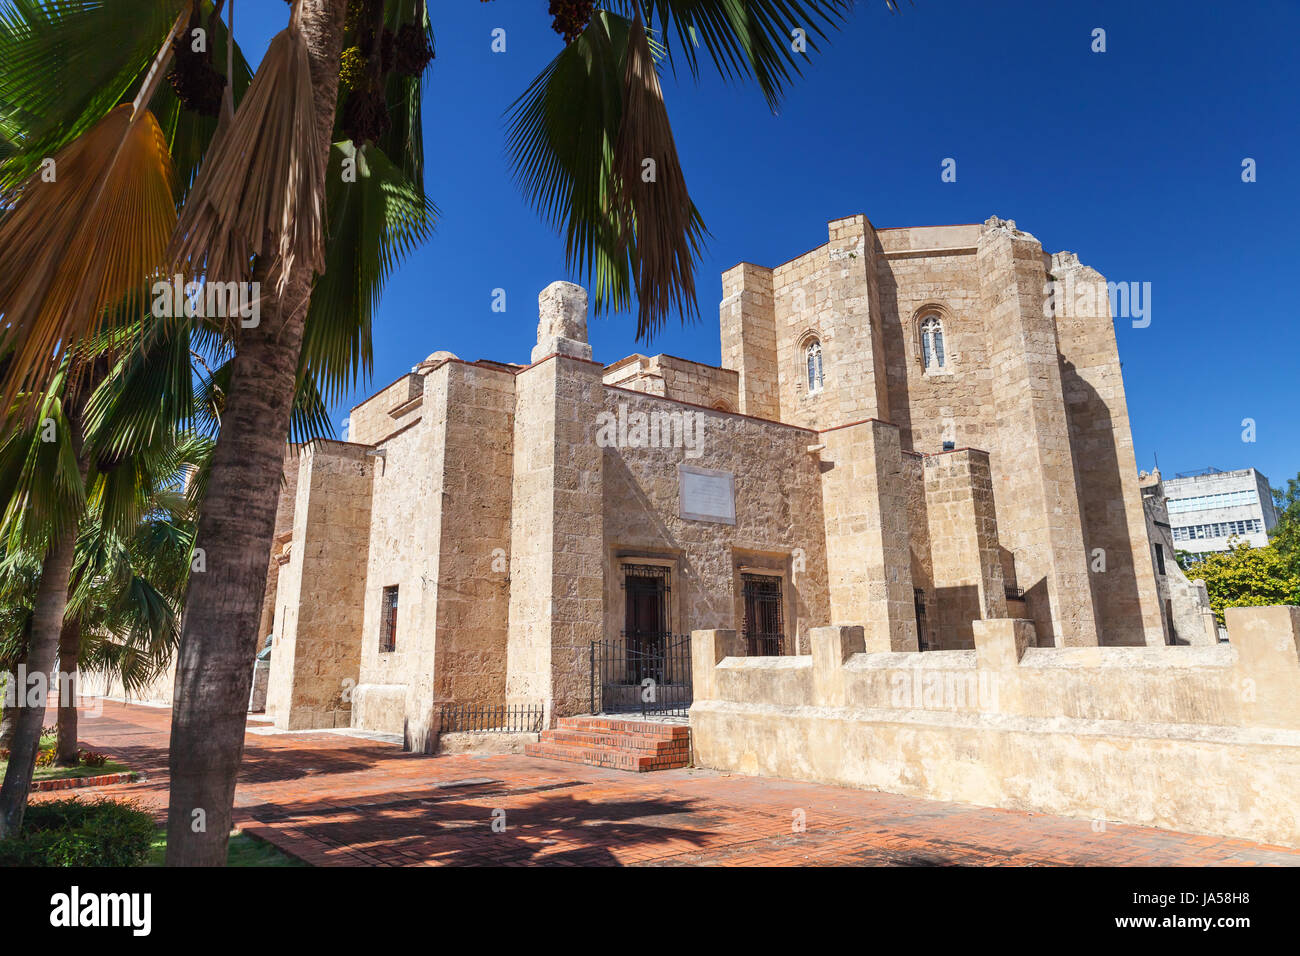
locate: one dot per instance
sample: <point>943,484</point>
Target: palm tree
<point>123,612</point>
<point>128,589</point>
<point>42,481</point>
<point>580,136</point>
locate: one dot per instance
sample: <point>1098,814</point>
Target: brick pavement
<point>336,800</point>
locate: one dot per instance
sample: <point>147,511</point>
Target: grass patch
<point>80,833</point>
<point>55,772</point>
<point>81,770</point>
<point>244,850</point>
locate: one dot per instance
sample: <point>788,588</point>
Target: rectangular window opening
<point>388,620</point>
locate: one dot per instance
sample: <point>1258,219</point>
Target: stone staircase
<point>617,743</point>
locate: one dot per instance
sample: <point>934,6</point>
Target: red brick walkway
<point>337,800</point>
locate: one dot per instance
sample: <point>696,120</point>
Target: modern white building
<point>1213,510</point>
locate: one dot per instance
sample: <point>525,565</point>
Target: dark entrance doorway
<point>764,618</point>
<point>645,617</point>
<point>648,670</point>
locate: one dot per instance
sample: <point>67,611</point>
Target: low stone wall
<point>1199,739</point>
<point>468,742</point>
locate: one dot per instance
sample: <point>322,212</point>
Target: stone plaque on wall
<point>706,494</point>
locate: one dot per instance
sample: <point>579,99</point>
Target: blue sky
<point>1131,158</point>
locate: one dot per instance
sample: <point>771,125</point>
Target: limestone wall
<point>315,657</point>
<point>678,379</point>
<point>918,526</point>
<point>283,534</point>
<point>1037,499</point>
<point>966,568</point>
<point>868,554</point>
<point>748,327</point>
<point>1200,739</point>
<point>832,294</point>
<point>932,271</point>
<point>440,534</point>
<point>1041,392</point>
<point>386,411</point>
<point>1185,604</point>
<point>1127,602</point>
<point>402,551</point>
<point>778,517</point>
<point>473,564</point>
<point>556,571</point>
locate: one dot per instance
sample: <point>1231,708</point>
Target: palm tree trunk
<point>69,651</point>
<point>47,622</point>
<point>214,670</point>
<point>9,719</point>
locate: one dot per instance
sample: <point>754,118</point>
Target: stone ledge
<point>73,783</point>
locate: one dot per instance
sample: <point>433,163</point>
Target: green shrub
<point>75,833</point>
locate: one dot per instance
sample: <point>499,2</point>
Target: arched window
<point>813,353</point>
<point>932,342</point>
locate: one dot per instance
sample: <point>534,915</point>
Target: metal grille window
<point>932,342</point>
<point>646,599</point>
<point>764,617</point>
<point>922,632</point>
<point>388,620</point>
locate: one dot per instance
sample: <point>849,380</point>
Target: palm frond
<point>67,63</point>
<point>375,219</point>
<point>742,38</point>
<point>403,143</point>
<point>650,189</point>
<point>72,248</point>
<point>563,136</point>
<point>148,395</point>
<point>259,190</point>
<point>41,485</point>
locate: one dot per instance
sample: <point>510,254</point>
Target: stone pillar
<point>966,567</point>
<point>856,368</point>
<point>831,648</point>
<point>999,646</point>
<point>1267,642</point>
<point>322,590</point>
<point>868,557</point>
<point>459,653</point>
<point>748,326</point>
<point>556,526</point>
<point>1209,623</point>
<point>1033,467</point>
<point>1127,598</point>
<point>562,322</point>
<point>708,648</point>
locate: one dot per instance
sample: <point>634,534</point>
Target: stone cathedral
<point>903,436</point>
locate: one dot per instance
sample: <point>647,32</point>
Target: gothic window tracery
<point>932,351</point>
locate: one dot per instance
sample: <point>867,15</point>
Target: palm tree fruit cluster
<point>412,52</point>
<point>571,17</point>
<point>375,53</point>
<point>198,84</point>
<point>365,115</point>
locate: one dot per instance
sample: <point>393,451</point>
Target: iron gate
<point>645,673</point>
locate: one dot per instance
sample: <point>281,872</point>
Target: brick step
<point>616,743</point>
<point>608,757</point>
<point>621,725</point>
<point>638,742</point>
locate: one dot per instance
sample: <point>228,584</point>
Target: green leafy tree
<point>1286,535</point>
<point>1245,577</point>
